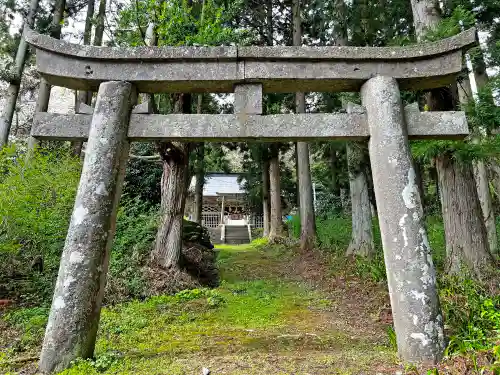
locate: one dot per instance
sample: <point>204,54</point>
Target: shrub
<point>36,199</point>
<point>471,312</point>
<point>136,228</point>
<point>31,322</point>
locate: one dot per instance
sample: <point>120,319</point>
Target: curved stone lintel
<point>278,69</point>
<point>418,51</point>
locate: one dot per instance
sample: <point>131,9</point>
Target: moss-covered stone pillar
<point>76,306</point>
<point>410,272</point>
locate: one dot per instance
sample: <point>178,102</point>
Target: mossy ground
<point>276,312</point>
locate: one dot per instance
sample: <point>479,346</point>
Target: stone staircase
<point>236,234</point>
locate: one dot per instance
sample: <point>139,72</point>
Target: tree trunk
<point>480,172</point>
<point>426,15</point>
<point>465,231</point>
<point>99,27</point>
<point>175,158</point>
<point>306,205</point>
<point>42,102</point>
<point>84,97</point>
<point>466,240</point>
<point>15,83</point>
<point>168,244</point>
<point>265,198</point>
<point>269,23</point>
<point>486,202</point>
<point>358,162</point>
<point>198,188</point>
<point>200,173</point>
<point>495,178</point>
<point>276,230</point>
<point>362,230</point>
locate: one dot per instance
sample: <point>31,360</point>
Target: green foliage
<point>334,233</point>
<point>374,267</point>
<point>213,297</point>
<point>482,114</point>
<point>136,228</point>
<point>472,313</point>
<point>461,18</point>
<point>36,199</point>
<point>177,23</point>
<point>391,334</point>
<point>31,322</point>
<point>89,366</point>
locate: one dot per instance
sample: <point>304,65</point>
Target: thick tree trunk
<point>174,184</point>
<point>358,162</point>
<point>307,218</point>
<point>276,230</point>
<point>481,174</point>
<point>362,230</point>
<point>495,178</point>
<point>265,198</point>
<point>466,240</point>
<point>426,14</point>
<point>168,244</point>
<point>465,232</point>
<point>15,83</point>
<point>306,205</point>
<point>486,202</point>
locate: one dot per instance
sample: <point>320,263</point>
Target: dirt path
<point>334,324</point>
<point>276,312</point>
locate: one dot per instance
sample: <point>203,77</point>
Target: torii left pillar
<point>76,305</point>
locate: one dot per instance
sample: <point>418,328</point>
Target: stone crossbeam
<point>278,69</point>
<point>244,127</point>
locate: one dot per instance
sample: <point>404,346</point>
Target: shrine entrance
<point>119,74</point>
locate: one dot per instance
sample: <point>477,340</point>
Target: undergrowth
<point>471,309</point>
<point>260,309</point>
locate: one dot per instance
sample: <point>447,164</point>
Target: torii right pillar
<point>410,271</point>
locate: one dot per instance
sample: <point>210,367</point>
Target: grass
<point>264,318</point>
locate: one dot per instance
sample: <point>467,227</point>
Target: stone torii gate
<point>119,74</point>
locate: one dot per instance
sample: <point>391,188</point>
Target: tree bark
<point>265,198</point>
<point>42,102</point>
<point>466,240</point>
<point>15,83</point>
<point>168,244</point>
<point>174,183</point>
<point>99,27</point>
<point>465,231</point>
<point>200,173</point>
<point>362,231</point>
<point>269,23</point>
<point>276,230</point>
<point>198,188</point>
<point>306,205</point>
<point>426,15</point>
<point>495,178</point>
<point>84,97</point>
<point>358,162</point>
<point>479,168</point>
<point>486,202</point>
